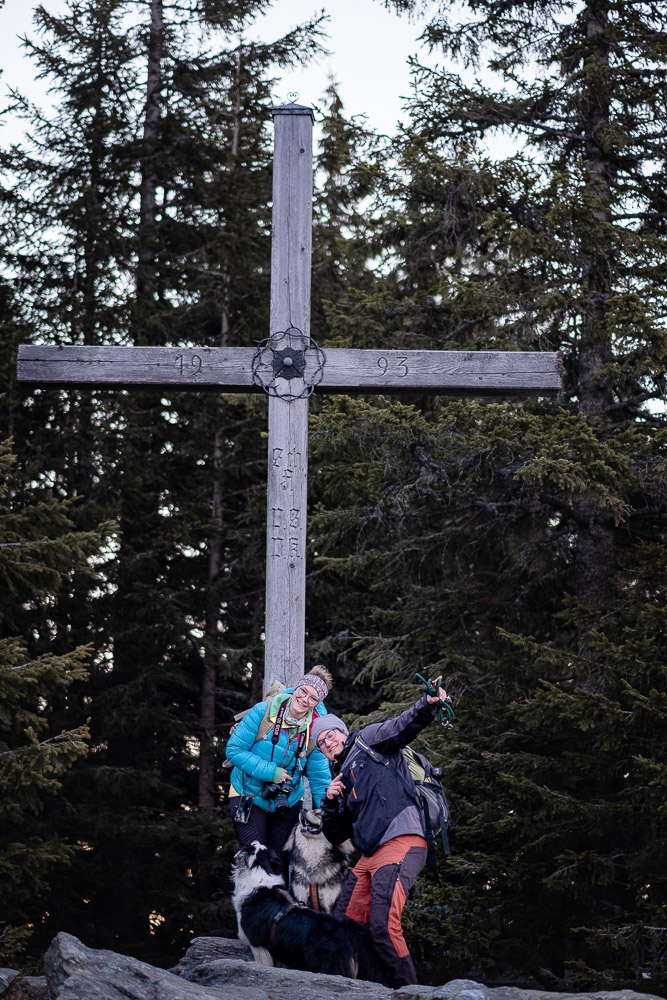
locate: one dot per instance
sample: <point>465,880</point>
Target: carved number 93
<point>398,365</point>
<point>189,365</point>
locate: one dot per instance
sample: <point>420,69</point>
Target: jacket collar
<point>349,743</point>
<point>276,703</point>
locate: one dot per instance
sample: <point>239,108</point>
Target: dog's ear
<point>268,860</point>
<point>275,861</point>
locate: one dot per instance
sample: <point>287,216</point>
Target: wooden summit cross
<point>288,366</point>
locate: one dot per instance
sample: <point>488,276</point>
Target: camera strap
<point>277,726</point>
<point>300,746</point>
<point>303,736</point>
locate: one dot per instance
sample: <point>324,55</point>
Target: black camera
<point>278,790</point>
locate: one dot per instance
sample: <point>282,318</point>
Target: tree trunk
<point>145,286</point>
<point>138,519</point>
<point>595,349</point>
<point>596,546</point>
<point>207,796</point>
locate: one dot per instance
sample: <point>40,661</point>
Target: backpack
<point>426,779</point>
<point>427,792</point>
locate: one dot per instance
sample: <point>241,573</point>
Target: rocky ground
<point>223,969</point>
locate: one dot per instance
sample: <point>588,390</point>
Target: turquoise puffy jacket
<point>255,763</point>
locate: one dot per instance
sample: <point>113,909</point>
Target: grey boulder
<point>223,968</point>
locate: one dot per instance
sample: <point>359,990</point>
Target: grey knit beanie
<point>325,722</point>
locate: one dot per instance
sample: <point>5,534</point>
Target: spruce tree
<point>504,544</point>
<point>344,238</point>
<point>159,165</point>
<point>65,219</point>
<point>40,551</point>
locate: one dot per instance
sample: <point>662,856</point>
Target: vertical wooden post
<point>291,249</point>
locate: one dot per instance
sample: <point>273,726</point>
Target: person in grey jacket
<point>370,802</point>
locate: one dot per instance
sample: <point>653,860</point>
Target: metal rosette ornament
<point>288,364</point>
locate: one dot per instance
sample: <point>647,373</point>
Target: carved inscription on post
<point>286,521</point>
<point>286,537</point>
<point>277,531</point>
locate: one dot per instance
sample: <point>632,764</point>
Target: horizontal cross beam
<point>229,369</point>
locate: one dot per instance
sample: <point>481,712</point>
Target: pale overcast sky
<point>369,49</point>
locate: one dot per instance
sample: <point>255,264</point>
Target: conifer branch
<point>64,737</point>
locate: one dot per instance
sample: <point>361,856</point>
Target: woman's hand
<point>335,788</point>
<point>441,695</point>
<point>283,777</point>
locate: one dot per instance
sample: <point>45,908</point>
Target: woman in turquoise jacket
<point>270,750</point>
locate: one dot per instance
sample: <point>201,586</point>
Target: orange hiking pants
<point>374,893</point>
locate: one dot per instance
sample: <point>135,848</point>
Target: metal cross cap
<point>289,366</point>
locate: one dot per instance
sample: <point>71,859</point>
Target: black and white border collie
<point>280,931</point>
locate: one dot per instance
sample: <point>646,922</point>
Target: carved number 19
<point>189,366</point>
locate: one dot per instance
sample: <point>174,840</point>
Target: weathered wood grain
<point>291,241</point>
<point>120,367</point>
<point>229,369</point>
<point>441,371</point>
<point>292,219</point>
<point>287,488</point>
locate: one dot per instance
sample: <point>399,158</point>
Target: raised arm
<point>394,734</point>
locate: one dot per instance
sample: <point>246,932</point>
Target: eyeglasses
<point>302,692</point>
<point>333,736</point>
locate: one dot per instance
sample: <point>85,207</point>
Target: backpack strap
<point>310,745</point>
<point>379,758</point>
<point>443,813</point>
<point>265,725</point>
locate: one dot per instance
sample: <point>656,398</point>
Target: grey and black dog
<point>317,869</point>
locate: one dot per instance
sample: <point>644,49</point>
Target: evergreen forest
<point>515,546</point>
